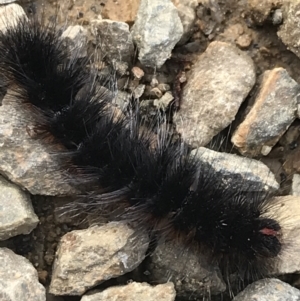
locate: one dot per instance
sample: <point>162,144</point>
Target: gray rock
<point>88,257</point>
<point>274,109</point>
<point>269,290</point>
<point>215,9</point>
<point>192,273</point>
<point>18,278</point>
<point>289,31</point>
<point>134,292</point>
<point>24,160</point>
<point>114,38</point>
<point>17,215</point>
<point>210,15</point>
<point>239,172</point>
<point>75,39</point>
<point>10,15</point>
<point>156,31</point>
<point>217,85</point>
<point>187,14</point>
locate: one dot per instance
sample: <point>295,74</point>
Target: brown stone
<point>261,9</point>
<point>124,10</point>
<point>274,110</point>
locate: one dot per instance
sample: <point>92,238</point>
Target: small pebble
<point>244,41</point>
<point>163,87</point>
<point>137,72</point>
<point>156,92</point>
<point>154,82</point>
<point>277,17</point>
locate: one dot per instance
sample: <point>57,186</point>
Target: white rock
<point>16,212</point>
<point>135,292</point>
<point>295,189</point>
<point>88,257</point>
<point>18,279</point>
<point>10,15</point>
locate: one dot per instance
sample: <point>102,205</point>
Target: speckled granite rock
<point>289,31</point>
<point>156,31</point>
<point>17,215</point>
<point>134,292</point>
<point>189,270</point>
<point>88,257</point>
<point>274,110</point>
<point>24,160</point>
<point>269,290</point>
<point>18,279</point>
<point>219,82</point>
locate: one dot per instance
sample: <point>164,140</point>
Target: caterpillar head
<point>252,238</point>
<point>265,238</point>
<point>257,238</point>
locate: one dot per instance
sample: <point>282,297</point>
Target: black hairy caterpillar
<point>149,174</point>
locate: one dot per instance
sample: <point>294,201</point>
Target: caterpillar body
<point>129,164</point>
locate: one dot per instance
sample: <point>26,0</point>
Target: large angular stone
<point>219,82</point>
